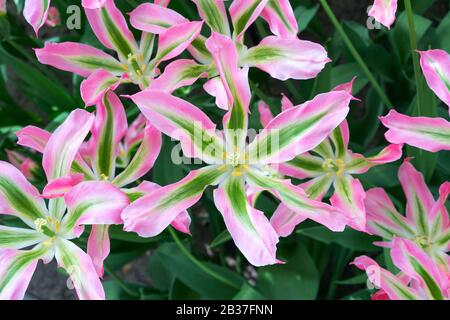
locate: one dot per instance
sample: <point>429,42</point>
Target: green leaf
<point>359,279</point>
<point>349,239</point>
<point>305,15</point>
<point>222,238</point>
<point>248,292</point>
<point>298,279</point>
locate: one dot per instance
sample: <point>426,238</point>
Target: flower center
<point>334,166</point>
<point>49,226</point>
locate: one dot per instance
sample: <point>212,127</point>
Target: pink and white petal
<point>96,85</point>
<point>300,129</point>
<point>215,88</point>
<point>164,3</point>
<point>78,58</point>
<point>33,137</point>
<point>199,52</point>
<point>286,103</point>
<point>110,27</point>
<point>19,238</point>
<point>93,4</point>
<point>81,270</point>
<point>416,263</point>
<point>150,215</point>
<point>436,69</point>
<point>184,122</point>
<point>154,18</point>
<point>180,73</point>
<point>431,134</point>
<point>18,197</point>
<point>440,231</point>
<point>419,199</point>
<point>93,203</point>
<point>349,197</point>
<point>243,13</point>
<point>318,187</point>
<point>60,186</point>
<point>16,270</point>
<point>64,143</point>
<point>250,229</point>
<point>281,19</point>
<point>36,12</point>
<point>109,128</point>
<point>394,287</point>
<point>360,164</point>
<point>383,219</point>
<point>348,86</point>
<point>284,220</point>
<point>182,222</point>
<point>98,247</point>
<point>214,13</point>
<point>384,12</point>
<point>53,17</point>
<point>297,200</point>
<point>287,58</point>
<point>135,132</point>
<point>265,114</point>
<point>176,39</point>
<point>303,166</point>
<point>144,158</point>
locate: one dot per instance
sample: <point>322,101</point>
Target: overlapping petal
<point>384,12</point>
<point>281,18</point>
<point>243,13</point>
<point>154,18</point>
<point>96,85</point>
<point>213,12</point>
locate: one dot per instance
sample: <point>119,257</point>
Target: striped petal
<point>384,12</point>
<point>415,263</point>
<point>436,69</point>
<point>249,228</point>
<point>36,12</point>
<point>18,197</point>
<point>19,238</point>
<point>303,166</point>
<point>419,199</point>
<point>284,220</point>
<point>78,58</point>
<point>213,12</point>
<point>244,13</point>
<point>151,214</point>
<point>176,39</point>
<point>98,247</point>
<point>180,73</point>
<point>287,58</point>
<point>235,82</point>
<point>93,4</point>
<point>318,187</point>
<point>109,128</point>
<point>154,18</point>
<point>215,88</point>
<point>281,19</point>
<point>198,50</point>
<point>144,158</point>
<point>360,164</point>
<point>265,114</point>
<point>349,197</point>
<point>64,143</point>
<point>394,287</point>
<point>16,270</point>
<point>296,199</point>
<point>431,134</point>
<point>184,122</point>
<point>110,27</point>
<point>440,231</point>
<point>300,129</point>
<point>58,187</point>
<point>81,270</point>
<point>33,137</point>
<point>93,203</point>
<point>383,219</point>
<point>96,85</point>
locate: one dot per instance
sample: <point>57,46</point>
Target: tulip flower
<point>384,12</point>
<point>431,134</point>
<point>51,228</point>
<point>111,145</point>
<point>421,278</point>
<point>134,64</point>
<point>426,222</point>
<point>329,164</point>
<point>232,165</point>
<point>282,55</point>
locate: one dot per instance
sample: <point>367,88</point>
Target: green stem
<point>290,85</point>
<point>415,56</point>
<point>258,92</point>
<point>120,282</point>
<point>198,263</point>
<point>355,53</point>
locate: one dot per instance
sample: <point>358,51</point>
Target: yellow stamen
<point>39,223</point>
<point>104,177</point>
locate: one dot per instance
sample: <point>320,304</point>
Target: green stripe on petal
<point>18,238</point>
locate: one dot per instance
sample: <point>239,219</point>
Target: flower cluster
<point>94,162</point>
